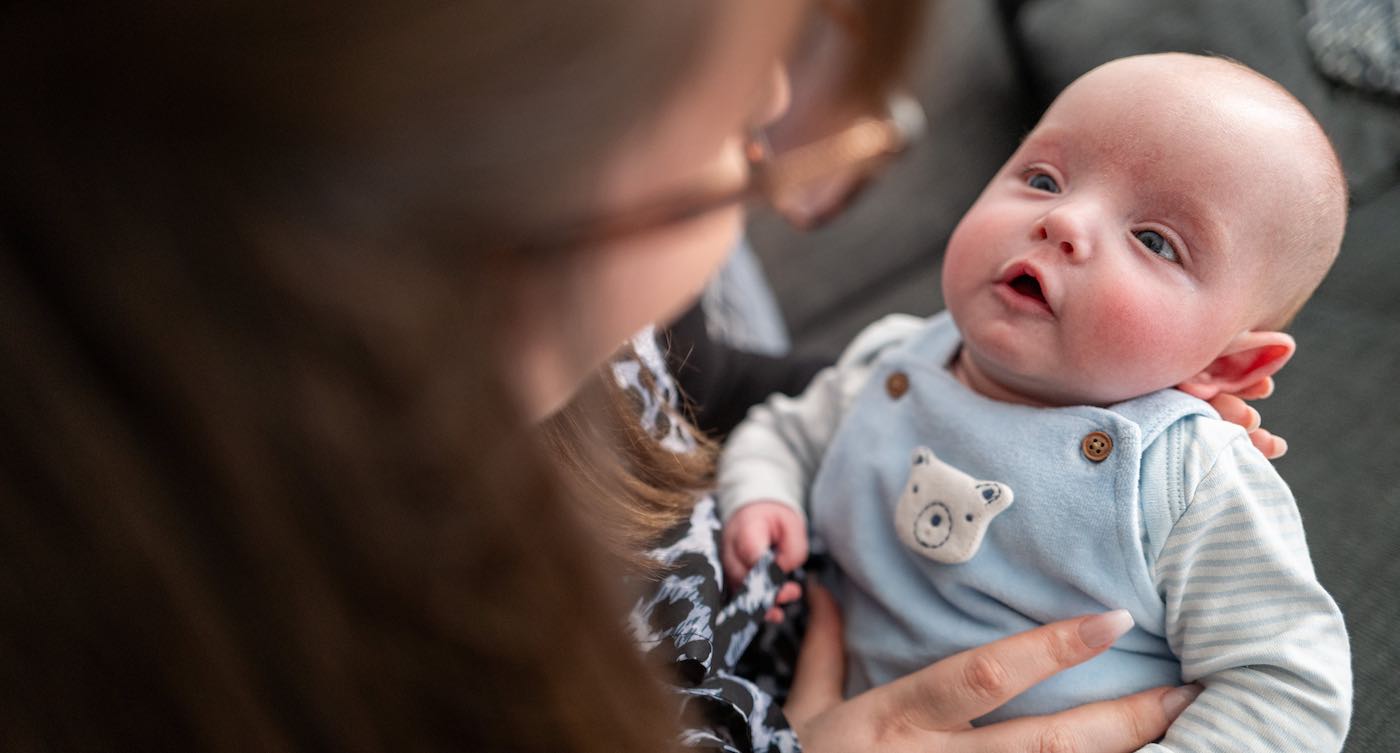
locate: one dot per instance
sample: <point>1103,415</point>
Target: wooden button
<point>1097,446</point>
<point>897,384</point>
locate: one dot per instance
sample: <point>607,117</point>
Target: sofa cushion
<point>1063,39</point>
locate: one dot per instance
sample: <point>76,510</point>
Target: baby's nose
<point>1067,229</point>
<point>1065,246</point>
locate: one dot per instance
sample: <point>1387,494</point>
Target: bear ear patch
<point>990,491</point>
<point>922,456</point>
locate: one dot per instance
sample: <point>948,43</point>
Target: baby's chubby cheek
<point>1132,344</point>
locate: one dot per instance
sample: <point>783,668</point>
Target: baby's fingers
<point>790,592</point>
<point>790,539</point>
<point>743,545</point>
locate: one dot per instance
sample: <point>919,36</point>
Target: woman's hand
<point>931,710</point>
<point>1232,408</point>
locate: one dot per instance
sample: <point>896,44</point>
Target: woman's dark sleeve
<point>722,382</point>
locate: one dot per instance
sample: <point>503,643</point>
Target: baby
<point>1023,457</point>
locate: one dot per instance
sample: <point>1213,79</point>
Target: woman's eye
<point>1042,182</point>
<point>1158,245</point>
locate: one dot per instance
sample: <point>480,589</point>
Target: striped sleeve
<point>1247,617</point>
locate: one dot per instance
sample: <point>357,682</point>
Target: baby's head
<point>1163,222</point>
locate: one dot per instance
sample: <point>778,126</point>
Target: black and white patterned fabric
<point>684,620</point>
<point>641,373</point>
<point>1357,42</point>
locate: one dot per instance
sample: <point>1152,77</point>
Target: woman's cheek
<point>707,250</point>
<point>675,268</point>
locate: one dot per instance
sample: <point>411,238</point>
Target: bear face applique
<point>943,513</point>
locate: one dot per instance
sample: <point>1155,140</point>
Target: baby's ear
<point>1249,357</point>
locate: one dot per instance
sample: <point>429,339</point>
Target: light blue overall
<point>1077,540</point>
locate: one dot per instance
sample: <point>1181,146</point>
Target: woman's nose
<point>1067,228</point>
<point>777,96</point>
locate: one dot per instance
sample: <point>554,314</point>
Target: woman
<point>286,293</point>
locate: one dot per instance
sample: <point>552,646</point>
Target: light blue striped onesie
<point>956,520</point>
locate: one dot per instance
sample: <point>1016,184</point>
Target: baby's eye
<point>1158,245</point>
<point>1042,182</point>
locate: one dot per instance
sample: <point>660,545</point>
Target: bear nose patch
<point>933,525</point>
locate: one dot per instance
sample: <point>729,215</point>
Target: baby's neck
<point>965,370</point>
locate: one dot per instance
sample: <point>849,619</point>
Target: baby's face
<point>1122,246</point>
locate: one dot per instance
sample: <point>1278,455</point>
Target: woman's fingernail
<point>1176,700</point>
<point>1103,629</point>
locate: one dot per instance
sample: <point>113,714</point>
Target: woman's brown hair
<point>262,482</point>
<point>630,487</point>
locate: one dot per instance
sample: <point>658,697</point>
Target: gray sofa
<point>988,70</point>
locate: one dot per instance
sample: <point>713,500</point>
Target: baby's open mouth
<point>1027,286</point>
<point>1021,287</point>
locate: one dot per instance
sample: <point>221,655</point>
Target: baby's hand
<point>758,527</point>
<point>753,530</point>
